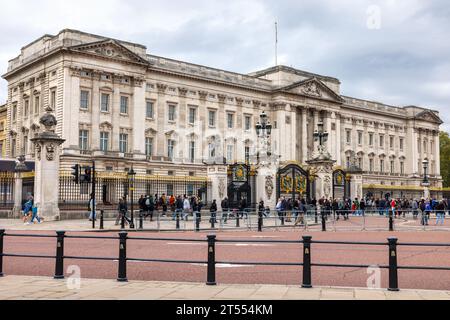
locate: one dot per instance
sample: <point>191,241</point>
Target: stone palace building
<point>118,104</point>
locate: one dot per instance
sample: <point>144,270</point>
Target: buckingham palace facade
<point>124,107</point>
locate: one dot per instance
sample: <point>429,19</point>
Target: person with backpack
<point>27,210</point>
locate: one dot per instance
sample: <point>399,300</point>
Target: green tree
<point>444,140</point>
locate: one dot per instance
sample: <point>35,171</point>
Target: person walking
<point>122,211</point>
<point>27,210</point>
<point>35,215</point>
<point>178,208</point>
<point>213,211</point>
<point>150,207</point>
<point>440,213</point>
<point>243,208</point>
<point>186,208</point>
<point>92,208</point>
<point>225,210</point>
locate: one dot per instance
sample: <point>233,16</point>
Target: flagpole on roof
<point>276,43</point>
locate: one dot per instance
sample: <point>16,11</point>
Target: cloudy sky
<point>392,51</point>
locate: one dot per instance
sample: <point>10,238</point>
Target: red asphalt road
<point>267,252</point>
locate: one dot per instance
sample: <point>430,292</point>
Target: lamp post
<point>264,131</point>
<point>426,182</point>
<point>131,177</point>
<point>321,136</point>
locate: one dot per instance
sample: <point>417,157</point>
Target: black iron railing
<point>307,264</point>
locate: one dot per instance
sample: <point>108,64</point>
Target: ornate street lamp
<point>425,171</point>
<point>426,182</point>
<point>264,131</point>
<point>131,179</point>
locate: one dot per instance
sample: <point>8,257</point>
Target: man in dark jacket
<point>225,209</point>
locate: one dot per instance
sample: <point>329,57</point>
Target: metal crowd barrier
<point>307,264</point>
<point>334,220</point>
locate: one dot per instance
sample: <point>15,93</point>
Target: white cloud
<point>406,61</point>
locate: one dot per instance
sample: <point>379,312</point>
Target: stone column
<point>323,168</point>
<point>218,175</point>
<point>265,186</point>
<point>356,186</point>
<point>47,148</point>
<point>138,116</point>
<point>18,183</point>
<point>161,120</point>
<point>304,135</point>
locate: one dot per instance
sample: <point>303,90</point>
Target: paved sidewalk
<point>40,288</point>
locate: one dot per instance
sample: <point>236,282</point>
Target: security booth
<point>239,187</point>
<point>293,182</point>
<point>341,184</point>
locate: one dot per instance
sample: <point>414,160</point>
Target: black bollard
<point>102,212</point>
<point>393,270</point>
<point>282,219</point>
<point>316,217</point>
<point>391,222</point>
<point>178,221</point>
<point>141,220</point>
<point>59,262</point>
<point>2,235</point>
<point>260,222</point>
<point>307,262</point>
<point>122,274</point>
<point>238,220</point>
<point>122,225</point>
<point>211,281</point>
<point>197,223</point>
<point>324,223</point>
<point>213,221</point>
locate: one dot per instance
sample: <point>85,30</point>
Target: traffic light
<point>87,174</point>
<point>76,173</point>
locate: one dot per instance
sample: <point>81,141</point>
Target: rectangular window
<point>392,166</point>
<point>190,190</point>
<point>360,138</point>
<point>26,108</point>
<point>84,138</point>
<point>382,166</point>
<point>149,147</point>
<point>123,143</point>
<point>401,144</point>
<point>170,189</point>
<point>402,167</point>
<point>391,142</point>
<point>212,150</point>
<point>172,112</point>
<point>371,139</point>
<point>124,105</point>
<point>371,165</point>
<point>170,149</point>
<point>105,103</point>
<point>348,136</point>
<point>53,99</point>
<point>212,118</point>
<point>37,102</point>
<point>360,163</point>
<point>192,115</point>
<point>381,141</point>
<point>14,112</point>
<point>230,153</point>
<point>247,154</point>
<point>149,113</point>
<point>104,141</point>
<point>192,151</point>
<point>25,144</point>
<point>348,162</point>
<point>84,100</point>
<point>248,123</point>
<point>13,147</point>
<point>230,120</point>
